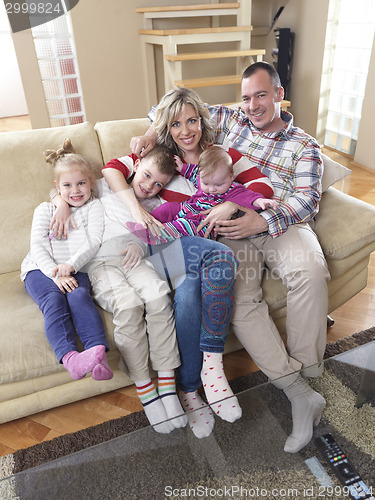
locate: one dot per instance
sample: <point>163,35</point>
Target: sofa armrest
<point>344,224</point>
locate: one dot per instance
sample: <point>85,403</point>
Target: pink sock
<point>80,364</point>
<point>102,371</point>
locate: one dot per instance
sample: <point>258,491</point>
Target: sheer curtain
<point>350,33</point>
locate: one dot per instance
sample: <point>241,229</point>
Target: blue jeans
<point>203,273</point>
<point>67,314</point>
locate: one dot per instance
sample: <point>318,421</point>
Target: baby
<point>213,177</point>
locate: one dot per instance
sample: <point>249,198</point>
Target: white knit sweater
<point>47,251</point>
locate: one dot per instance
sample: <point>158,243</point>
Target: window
<point>350,34</point>
<point>55,50</point>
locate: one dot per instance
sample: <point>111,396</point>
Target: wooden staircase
<point>171,41</point>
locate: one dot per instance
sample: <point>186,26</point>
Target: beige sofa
<point>31,379</point>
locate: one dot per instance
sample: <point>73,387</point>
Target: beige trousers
<point>142,315</point>
<point>297,258</point>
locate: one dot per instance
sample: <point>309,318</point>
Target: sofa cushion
<point>28,353</point>
<point>26,180</point>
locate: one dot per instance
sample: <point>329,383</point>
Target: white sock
<point>307,408</point>
<point>217,389</point>
<point>169,398</point>
<point>200,416</point>
<point>153,407</point>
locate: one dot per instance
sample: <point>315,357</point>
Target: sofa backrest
<point>26,180</point>
<point>114,136</point>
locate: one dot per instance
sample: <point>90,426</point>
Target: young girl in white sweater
<point>52,269</point>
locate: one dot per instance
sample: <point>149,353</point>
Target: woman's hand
<point>64,269</point>
<point>61,219</point>
<point>66,283</point>
<point>223,211</point>
<point>142,144</point>
<point>133,256</point>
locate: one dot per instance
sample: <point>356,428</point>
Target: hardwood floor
<point>12,123</point>
<point>356,315</point>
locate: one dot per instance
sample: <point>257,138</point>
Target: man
<point>283,239</point>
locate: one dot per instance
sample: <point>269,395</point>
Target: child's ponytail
<point>64,157</point>
<point>53,157</point>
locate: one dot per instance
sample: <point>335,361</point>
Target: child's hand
<point>64,269</point>
<point>223,211</point>
<point>66,283</point>
<point>61,220</point>
<point>179,163</point>
<point>264,203</point>
<point>133,256</point>
<point>141,216</point>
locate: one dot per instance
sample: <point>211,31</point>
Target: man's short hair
<point>253,68</point>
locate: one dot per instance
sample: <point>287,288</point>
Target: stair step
<point>196,31</point>
<point>179,8</point>
<point>209,81</point>
<point>214,55</point>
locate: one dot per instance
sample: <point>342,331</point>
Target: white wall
<point>12,96</point>
<point>365,145</point>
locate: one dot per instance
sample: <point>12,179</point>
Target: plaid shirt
<point>290,158</point>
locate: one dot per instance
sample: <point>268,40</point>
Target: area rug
<point>148,466</point>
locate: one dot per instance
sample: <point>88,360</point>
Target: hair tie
<point>52,156</point>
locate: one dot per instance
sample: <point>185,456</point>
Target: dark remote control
<point>343,469</point>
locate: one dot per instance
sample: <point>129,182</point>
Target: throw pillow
<point>333,172</point>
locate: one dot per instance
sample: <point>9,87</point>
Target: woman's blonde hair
<point>167,111</point>
<point>64,158</point>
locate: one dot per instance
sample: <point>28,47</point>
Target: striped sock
<point>169,398</point>
<point>153,407</point>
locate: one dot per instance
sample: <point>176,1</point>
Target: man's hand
<point>243,227</point>
<point>133,256</point>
